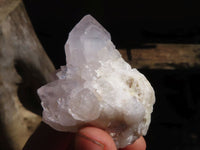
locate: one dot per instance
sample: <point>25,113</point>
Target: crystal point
<point>86,39</point>
<point>97,87</point>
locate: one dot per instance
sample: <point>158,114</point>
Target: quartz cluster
<point>97,87</point>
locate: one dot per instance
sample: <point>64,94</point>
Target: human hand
<point>88,138</point>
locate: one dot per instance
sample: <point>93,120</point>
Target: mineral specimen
<point>97,87</point>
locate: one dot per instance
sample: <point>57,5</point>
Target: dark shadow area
<point>176,117</point>
<point>4,141</point>
<point>32,79</point>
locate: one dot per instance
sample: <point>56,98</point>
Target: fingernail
<point>86,143</point>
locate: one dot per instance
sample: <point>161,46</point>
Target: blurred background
<point>132,24</point>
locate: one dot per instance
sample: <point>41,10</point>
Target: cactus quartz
<point>98,88</point>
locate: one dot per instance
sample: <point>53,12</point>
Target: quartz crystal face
<point>97,87</point>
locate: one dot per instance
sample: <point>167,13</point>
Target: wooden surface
<point>7,6</point>
<point>164,56</point>
<point>24,67</point>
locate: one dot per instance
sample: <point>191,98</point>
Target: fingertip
<point>139,144</point>
<point>90,138</point>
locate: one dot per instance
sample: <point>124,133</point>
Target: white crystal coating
<point>97,87</point>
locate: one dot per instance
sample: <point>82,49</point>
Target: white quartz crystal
<point>97,87</point>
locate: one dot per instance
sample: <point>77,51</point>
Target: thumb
<point>91,138</point>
